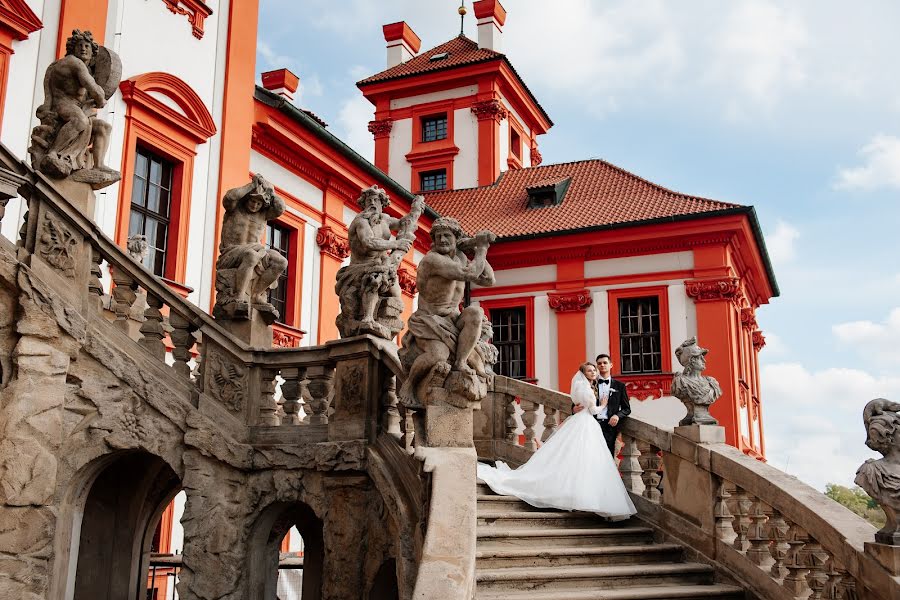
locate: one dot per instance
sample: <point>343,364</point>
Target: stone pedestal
<point>887,556</point>
<point>702,434</point>
<point>447,426</point>
<point>79,194</point>
<point>253,331</point>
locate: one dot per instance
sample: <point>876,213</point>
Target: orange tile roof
<point>461,51</point>
<point>599,195</point>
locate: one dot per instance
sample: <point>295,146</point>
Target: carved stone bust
<point>71,141</point>
<point>696,391</point>
<point>880,478</point>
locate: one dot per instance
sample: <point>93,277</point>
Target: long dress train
<point>573,470</point>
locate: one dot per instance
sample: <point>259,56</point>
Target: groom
<point>617,406</point>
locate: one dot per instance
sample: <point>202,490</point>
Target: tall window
<point>431,181</point>
<point>151,199</point>
<point>510,338</point>
<point>639,335</point>
<point>434,128</point>
<point>279,238</point>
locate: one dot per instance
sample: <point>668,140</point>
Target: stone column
<point>489,113</point>
<point>571,308</point>
<point>334,248</point>
<point>346,537</point>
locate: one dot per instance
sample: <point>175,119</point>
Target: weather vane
<point>462,15</point>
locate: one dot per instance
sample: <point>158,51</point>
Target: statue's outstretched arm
<point>277,208</point>
<point>233,197</point>
<point>88,83</point>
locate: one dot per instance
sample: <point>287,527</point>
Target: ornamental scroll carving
<point>381,128</point>
<point>226,381</point>
<point>407,281</point>
<point>58,245</point>
<point>644,387</point>
<point>706,290</point>
<point>748,318</point>
<point>536,157</point>
<point>332,244</point>
<point>759,340</point>
<point>570,301</point>
<point>490,109</point>
<point>195,10</point>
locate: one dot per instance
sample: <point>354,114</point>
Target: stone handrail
<point>777,536</point>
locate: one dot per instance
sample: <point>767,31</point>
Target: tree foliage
<point>858,501</point>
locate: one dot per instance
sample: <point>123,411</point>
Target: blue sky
<point>792,107</point>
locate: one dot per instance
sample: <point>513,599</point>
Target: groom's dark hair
<point>599,356</point>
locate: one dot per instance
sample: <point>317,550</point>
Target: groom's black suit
<point>616,405</point>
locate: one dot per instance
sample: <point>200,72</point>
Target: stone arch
<point>265,539</point>
<point>113,504</point>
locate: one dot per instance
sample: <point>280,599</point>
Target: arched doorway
<point>266,543</point>
<point>121,513</point>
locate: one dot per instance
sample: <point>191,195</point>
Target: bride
<point>573,470</point>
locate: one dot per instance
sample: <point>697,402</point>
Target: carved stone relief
<point>227,381</point>
<point>58,245</point>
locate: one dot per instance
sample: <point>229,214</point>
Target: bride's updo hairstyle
<point>584,366</point>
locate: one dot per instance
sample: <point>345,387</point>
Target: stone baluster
<point>832,586</point>
<point>510,422</point>
<point>529,416</point>
<point>390,422</point>
<point>846,586</point>
<point>816,560</point>
<point>778,531</point>
<point>407,427</point>
<point>290,393</point>
<point>152,332</point>
<point>183,340</point>
<point>123,295</point>
<point>741,522</point>
<point>550,423</point>
<point>268,407</point>
<point>722,514</point>
<point>95,287</point>
<point>759,553</point>
<point>320,388</point>
<point>650,463</point>
<point>795,563</point>
<point>630,466</point>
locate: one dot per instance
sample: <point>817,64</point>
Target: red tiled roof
<point>599,194</point>
<point>461,51</point>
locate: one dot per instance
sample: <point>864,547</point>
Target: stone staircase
<point>527,553</point>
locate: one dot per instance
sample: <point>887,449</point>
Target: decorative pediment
<point>18,19</point>
<point>191,115</point>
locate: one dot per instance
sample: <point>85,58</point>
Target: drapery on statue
<point>368,287</point>
<point>246,269</point>
<point>695,390</point>
<point>442,339</point>
<point>71,141</point>
<point>881,478</point>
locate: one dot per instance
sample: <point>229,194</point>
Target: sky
<point>792,107</point>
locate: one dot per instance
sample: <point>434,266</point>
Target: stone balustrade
<point>775,535</point>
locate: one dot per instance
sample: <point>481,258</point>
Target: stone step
<point>541,556</point>
<point>593,577</point>
<point>541,518</point>
<point>538,537</point>
<point>507,503</point>
<point>666,592</point>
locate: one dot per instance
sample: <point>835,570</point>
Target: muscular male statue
<point>246,269</point>
<point>70,131</point>
<point>438,331</point>
<point>371,276</point>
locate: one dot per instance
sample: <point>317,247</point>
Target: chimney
<point>282,82</point>
<point>402,43</point>
<point>491,16</point>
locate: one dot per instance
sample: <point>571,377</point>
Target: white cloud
<point>876,341</point>
<point>353,121</point>
<point>775,346</point>
<point>780,243</point>
<point>813,420</point>
<point>881,167</point>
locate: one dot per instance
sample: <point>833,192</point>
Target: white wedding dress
<point>573,470</point>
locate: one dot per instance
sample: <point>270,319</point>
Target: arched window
<point>165,122</point>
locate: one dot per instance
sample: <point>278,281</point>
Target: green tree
<point>858,501</point>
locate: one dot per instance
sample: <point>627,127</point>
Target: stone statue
<point>246,269</point>
<point>695,390</point>
<point>71,142</point>
<point>881,478</point>
<point>441,339</point>
<point>368,287</point>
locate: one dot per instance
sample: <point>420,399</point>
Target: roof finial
<point>462,15</point>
